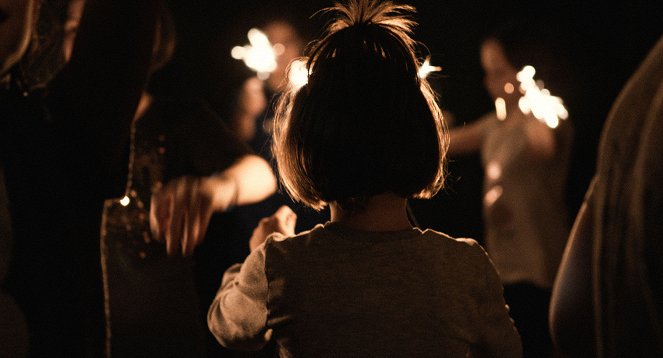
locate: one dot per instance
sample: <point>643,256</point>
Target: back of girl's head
<point>365,123</point>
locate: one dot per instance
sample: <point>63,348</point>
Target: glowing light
<point>426,69</point>
<point>259,55</point>
<point>493,170</point>
<point>125,201</point>
<point>526,74</point>
<point>508,88</point>
<point>298,73</point>
<point>279,49</point>
<point>500,108</point>
<point>538,100</point>
<point>492,195</point>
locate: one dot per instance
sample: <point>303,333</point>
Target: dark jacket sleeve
<point>92,101</point>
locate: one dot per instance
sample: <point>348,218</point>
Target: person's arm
<point>467,139</point>
<point>97,92</point>
<point>180,212</point>
<point>541,140</point>
<point>238,314</point>
<point>254,181</point>
<point>571,304</point>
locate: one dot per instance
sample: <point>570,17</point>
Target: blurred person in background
<point>184,165</point>
<point>252,120</point>
<point>608,297</point>
<point>63,151</point>
<point>525,163</point>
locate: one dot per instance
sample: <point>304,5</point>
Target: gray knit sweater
<point>337,292</point>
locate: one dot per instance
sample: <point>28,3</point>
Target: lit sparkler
<point>427,69</point>
<point>125,200</point>
<point>259,55</point>
<point>538,100</point>
<point>298,73</point>
<point>500,108</point>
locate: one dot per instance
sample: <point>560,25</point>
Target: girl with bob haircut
<point>362,136</point>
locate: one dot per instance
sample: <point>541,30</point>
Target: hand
<point>282,221</point>
<point>180,212</point>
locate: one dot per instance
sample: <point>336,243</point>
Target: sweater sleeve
<point>238,314</point>
<point>499,335</point>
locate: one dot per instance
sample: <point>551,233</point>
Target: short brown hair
<point>365,123</point>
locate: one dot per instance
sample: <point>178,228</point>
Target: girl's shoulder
<point>447,239</point>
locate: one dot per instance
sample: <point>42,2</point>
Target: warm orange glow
<point>493,170</point>
<point>500,108</point>
<point>125,201</point>
<point>259,55</point>
<point>298,73</point>
<point>508,88</point>
<point>538,101</point>
<point>426,69</point>
<point>492,195</point>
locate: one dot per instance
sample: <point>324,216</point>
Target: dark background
<point>603,44</point>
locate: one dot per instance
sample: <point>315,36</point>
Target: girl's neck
<point>383,212</point>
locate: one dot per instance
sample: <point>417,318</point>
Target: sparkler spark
<point>125,201</point>
<point>298,73</point>
<point>426,69</point>
<point>259,55</point>
<point>538,100</point>
<point>500,108</point>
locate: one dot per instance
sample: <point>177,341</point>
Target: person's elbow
<point>264,181</point>
<point>234,335</point>
<point>270,181</point>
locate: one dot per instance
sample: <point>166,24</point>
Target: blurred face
<point>500,75</point>
<point>284,34</point>
<point>17,19</point>
<point>74,14</point>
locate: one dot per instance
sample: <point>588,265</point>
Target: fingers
<point>181,211</point>
<point>286,220</point>
<point>191,226</point>
<point>180,214</point>
<point>197,221</point>
<point>283,212</point>
<point>180,206</point>
<point>265,227</point>
<point>160,214</point>
<point>282,221</point>
<point>156,218</point>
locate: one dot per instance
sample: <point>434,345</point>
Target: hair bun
<point>367,34</point>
